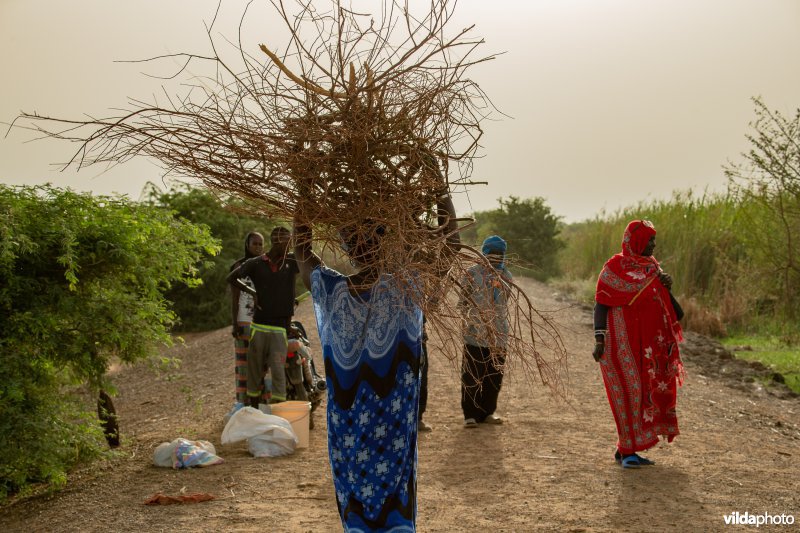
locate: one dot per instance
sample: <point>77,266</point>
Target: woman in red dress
<point>636,343</point>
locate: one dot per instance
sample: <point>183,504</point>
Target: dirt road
<point>550,467</point>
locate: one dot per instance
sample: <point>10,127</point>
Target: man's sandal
<point>470,423</point>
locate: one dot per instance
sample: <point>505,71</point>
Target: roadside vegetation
<point>82,284</point>
<point>734,257</point>
<point>89,281</point>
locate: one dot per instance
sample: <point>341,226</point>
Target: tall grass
<point>702,242</point>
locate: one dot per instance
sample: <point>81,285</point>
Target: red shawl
<point>641,366</point>
<point>626,276</point>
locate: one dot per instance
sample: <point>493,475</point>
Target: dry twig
<point>357,122</point>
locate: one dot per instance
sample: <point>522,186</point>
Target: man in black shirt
<point>273,276</point>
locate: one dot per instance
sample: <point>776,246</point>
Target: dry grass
<point>701,319</point>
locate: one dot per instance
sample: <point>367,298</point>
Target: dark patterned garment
<point>371,347</point>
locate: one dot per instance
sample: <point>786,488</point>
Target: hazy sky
<point>611,101</point>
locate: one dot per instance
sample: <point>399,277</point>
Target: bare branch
<point>356,121</point>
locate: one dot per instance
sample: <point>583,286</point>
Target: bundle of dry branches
<point>360,121</point>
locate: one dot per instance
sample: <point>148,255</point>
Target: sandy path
<point>550,467</point>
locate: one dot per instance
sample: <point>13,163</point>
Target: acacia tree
<point>81,282</point>
<point>770,178</point>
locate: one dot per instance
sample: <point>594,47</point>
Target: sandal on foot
<point>493,419</point>
<point>644,461</point>
<point>470,423</point>
<point>630,461</point>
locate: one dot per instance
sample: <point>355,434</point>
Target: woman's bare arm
<point>307,260</point>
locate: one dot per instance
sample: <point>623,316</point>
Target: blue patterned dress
<point>371,347</point>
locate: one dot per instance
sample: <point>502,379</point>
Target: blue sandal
<point>631,461</point>
<point>643,461</point>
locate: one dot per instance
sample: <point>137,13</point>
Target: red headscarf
<point>626,274</point>
<point>636,236</point>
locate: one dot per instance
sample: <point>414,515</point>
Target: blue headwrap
<point>494,244</point>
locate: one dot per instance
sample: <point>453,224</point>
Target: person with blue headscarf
<point>484,306</point>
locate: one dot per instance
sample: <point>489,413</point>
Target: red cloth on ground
<point>160,498</point>
<point>641,366</point>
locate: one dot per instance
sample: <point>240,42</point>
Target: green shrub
<point>768,184</point>
<point>81,281</point>
<point>531,230</point>
<point>208,306</point>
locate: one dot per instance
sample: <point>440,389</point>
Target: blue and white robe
<point>371,347</point>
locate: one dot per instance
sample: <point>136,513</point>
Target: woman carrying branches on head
<point>636,343</point>
<point>371,334</point>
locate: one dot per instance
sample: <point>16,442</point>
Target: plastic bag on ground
<point>184,453</point>
<point>229,414</point>
<point>266,435</point>
<point>274,443</point>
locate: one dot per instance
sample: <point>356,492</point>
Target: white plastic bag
<point>267,435</point>
<point>274,443</point>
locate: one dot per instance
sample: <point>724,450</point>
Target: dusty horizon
<point>604,103</point>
